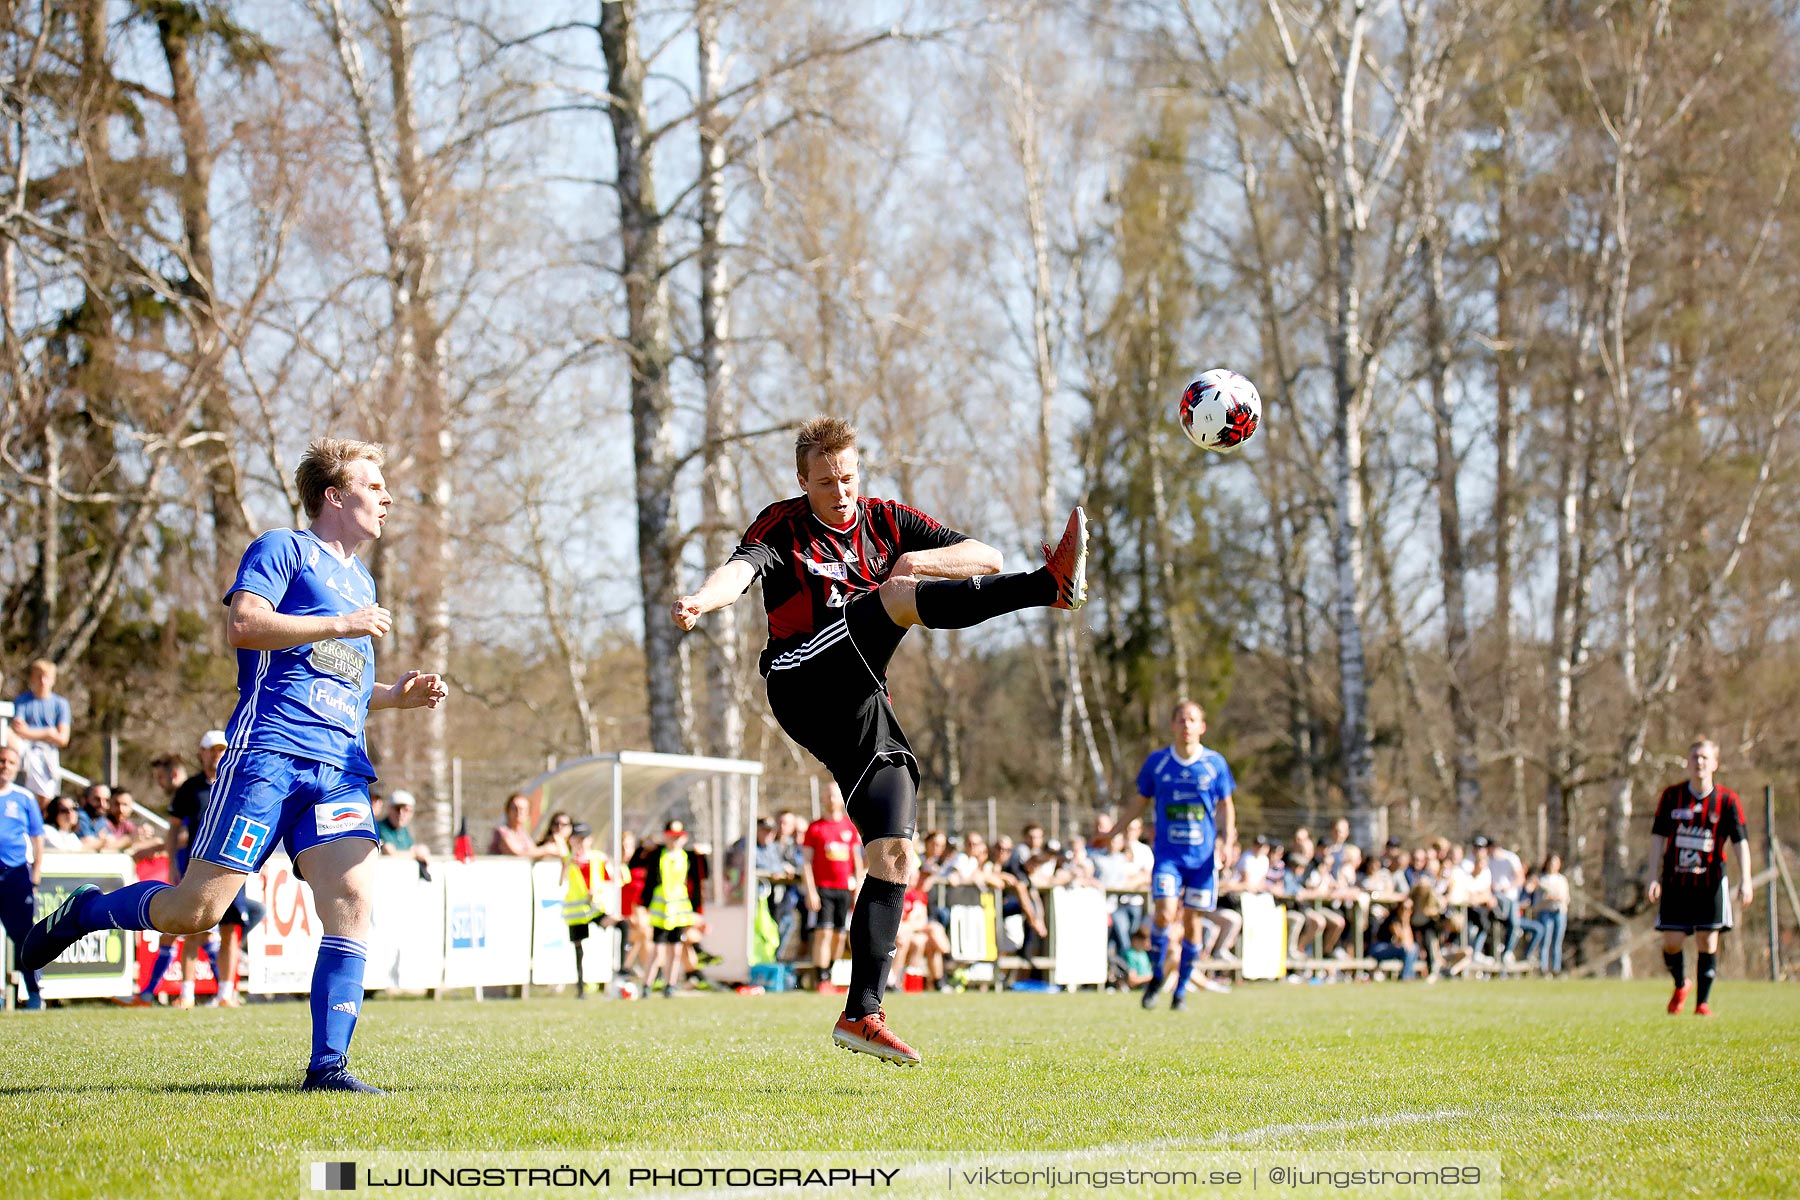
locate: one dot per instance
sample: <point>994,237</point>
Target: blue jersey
<point>45,713</point>
<point>1187,796</point>
<point>20,821</point>
<point>308,701</point>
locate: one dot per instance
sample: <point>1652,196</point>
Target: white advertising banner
<point>1078,926</point>
<point>406,939</point>
<point>487,922</point>
<point>284,947</point>
<point>1264,940</point>
<point>552,954</point>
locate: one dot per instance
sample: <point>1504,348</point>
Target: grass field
<point>1581,1088</point>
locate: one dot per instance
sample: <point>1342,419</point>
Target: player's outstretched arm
<point>721,588</point>
<point>253,624</point>
<point>411,690</point>
<point>964,560</point>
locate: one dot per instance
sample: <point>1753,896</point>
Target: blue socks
<point>1159,950</point>
<point>1190,954</point>
<point>164,956</point>
<point>123,908</point>
<point>210,948</point>
<point>337,996</point>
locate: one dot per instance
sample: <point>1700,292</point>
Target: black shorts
<point>834,909</point>
<point>579,933</point>
<point>830,695</point>
<point>244,912</point>
<point>1695,909</point>
<point>667,937</point>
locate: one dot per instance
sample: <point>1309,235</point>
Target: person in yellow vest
<point>585,872</point>
<point>671,909</point>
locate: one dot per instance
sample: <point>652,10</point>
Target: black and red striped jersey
<point>810,570</point>
<point>1697,831</point>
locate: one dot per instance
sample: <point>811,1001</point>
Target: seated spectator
<point>922,942</point>
<point>513,835</point>
<point>1427,908</point>
<point>91,823</point>
<point>396,833</point>
<point>1471,887</point>
<point>1126,886</point>
<point>1526,924</point>
<point>969,867</point>
<point>1395,939</point>
<point>59,827</point>
<point>131,836</point>
<point>1015,859</point>
<point>934,858</point>
<point>1077,867</point>
<point>1103,831</point>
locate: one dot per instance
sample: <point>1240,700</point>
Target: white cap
<point>211,738</point>
<point>402,797</point>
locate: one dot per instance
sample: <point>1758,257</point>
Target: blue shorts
<point>1196,885</point>
<point>264,798</point>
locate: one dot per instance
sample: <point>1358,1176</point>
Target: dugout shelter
<point>640,791</point>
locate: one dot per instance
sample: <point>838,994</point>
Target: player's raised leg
<point>959,603</point>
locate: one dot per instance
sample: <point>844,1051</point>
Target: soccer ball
<point>1220,410</point>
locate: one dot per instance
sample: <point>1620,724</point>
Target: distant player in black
<point>844,577</point>
<point>1694,822</point>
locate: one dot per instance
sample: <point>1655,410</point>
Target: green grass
<point>1581,1088</point>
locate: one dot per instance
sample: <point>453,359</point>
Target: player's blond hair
<point>1704,742</point>
<point>1187,703</point>
<point>325,465</point>
<point>828,435</point>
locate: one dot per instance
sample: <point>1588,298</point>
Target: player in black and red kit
<point>844,577</point>
<point>1694,822</point>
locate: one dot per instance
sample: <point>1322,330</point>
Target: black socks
<point>1677,968</point>
<point>1708,967</point>
<point>960,603</point>
<point>873,927</point>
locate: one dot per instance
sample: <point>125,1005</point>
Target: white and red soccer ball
<point>1220,411</point>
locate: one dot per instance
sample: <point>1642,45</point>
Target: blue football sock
<point>1159,950</point>
<point>337,995</point>
<point>1190,954</point>
<point>164,956</point>
<point>123,908</point>
<point>211,950</point>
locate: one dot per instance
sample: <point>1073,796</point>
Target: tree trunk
<point>719,494</point>
<point>193,190</point>
<point>648,346</point>
<point>1451,564</point>
<point>1506,467</point>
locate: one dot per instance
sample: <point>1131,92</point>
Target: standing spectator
<point>1553,910</point>
<point>671,908</point>
<point>21,862</point>
<point>186,810</point>
<point>585,873</point>
<point>91,824</point>
<point>775,875</point>
<point>512,837</point>
<point>59,828</point>
<point>1335,848</point>
<point>631,906</point>
<point>557,831</point>
<point>1016,860</point>
<point>789,828</point>
<point>831,869</point>
<point>395,831</point>
<point>1507,873</point>
<point>41,721</point>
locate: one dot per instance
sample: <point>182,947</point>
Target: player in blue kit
<point>1191,788</point>
<point>296,771</point>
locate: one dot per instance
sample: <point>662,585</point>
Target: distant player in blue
<point>21,858</point>
<point>1191,788</point>
<point>295,771</point>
